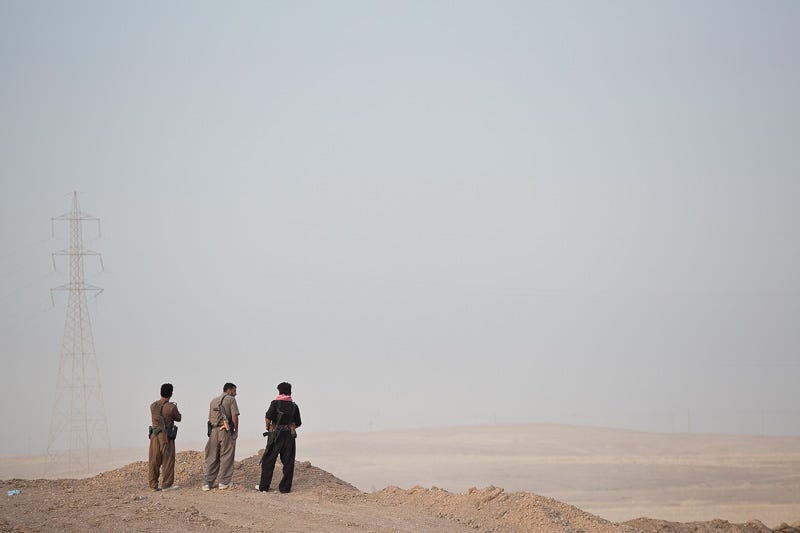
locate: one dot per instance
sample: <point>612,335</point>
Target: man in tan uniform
<point>223,424</point>
<point>163,415</point>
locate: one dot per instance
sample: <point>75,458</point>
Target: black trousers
<point>285,447</point>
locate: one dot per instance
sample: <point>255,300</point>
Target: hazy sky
<point>419,213</point>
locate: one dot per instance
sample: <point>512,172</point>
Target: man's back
<point>223,421</point>
<point>168,410</point>
<point>229,406</point>
<point>284,413</point>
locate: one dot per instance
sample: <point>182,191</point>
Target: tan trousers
<point>161,457</point>
<point>220,449</point>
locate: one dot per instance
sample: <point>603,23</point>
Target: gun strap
<point>281,413</point>
<point>222,412</point>
<point>163,420</point>
<point>162,426</point>
<point>221,409</point>
<point>162,423</point>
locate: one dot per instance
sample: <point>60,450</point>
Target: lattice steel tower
<point>78,428</point>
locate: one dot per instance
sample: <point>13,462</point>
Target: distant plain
<point>616,474</point>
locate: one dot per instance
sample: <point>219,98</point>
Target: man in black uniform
<point>282,420</point>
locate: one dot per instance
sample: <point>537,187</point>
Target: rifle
<point>162,427</point>
<point>227,424</point>
<point>172,433</point>
<point>272,435</point>
<point>162,424</point>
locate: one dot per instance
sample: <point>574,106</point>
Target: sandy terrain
<point>618,475</point>
<point>117,501</point>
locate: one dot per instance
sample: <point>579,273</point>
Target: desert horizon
<point>538,259</point>
<point>619,475</point>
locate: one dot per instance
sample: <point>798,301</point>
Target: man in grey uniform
<point>223,423</point>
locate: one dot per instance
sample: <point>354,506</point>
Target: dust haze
<point>420,214</point>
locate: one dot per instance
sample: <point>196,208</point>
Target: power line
<point>78,427</point>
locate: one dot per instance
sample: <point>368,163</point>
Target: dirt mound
<point>648,525</point>
<point>189,473</point>
<point>307,478</point>
<point>120,500</point>
<point>188,470</point>
<point>492,509</point>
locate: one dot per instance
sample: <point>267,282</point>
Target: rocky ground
<point>119,500</point>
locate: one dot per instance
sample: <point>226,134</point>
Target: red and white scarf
<point>284,398</point>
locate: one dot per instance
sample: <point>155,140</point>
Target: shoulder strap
<point>281,413</point>
<point>162,412</point>
<point>221,407</point>
<point>162,423</point>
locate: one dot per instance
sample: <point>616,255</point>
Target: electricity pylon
<point>78,427</point>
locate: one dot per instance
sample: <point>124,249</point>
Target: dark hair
<point>285,388</point>
<point>166,390</point>
<point>228,386</point>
